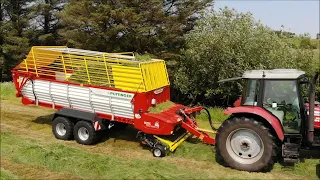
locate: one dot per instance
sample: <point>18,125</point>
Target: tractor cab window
<point>281,99</point>
<point>250,93</point>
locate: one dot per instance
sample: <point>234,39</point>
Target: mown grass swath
<point>7,175</point>
<point>27,140</point>
<point>7,90</point>
<point>61,158</point>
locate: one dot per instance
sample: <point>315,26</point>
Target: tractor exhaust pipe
<point>311,107</point>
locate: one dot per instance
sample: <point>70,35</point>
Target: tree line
<point>225,43</point>
<point>200,45</point>
<point>155,27</point>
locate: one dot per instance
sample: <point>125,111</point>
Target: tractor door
<point>281,98</point>
<point>250,92</point>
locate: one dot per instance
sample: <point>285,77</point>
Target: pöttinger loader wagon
<point>94,91</point>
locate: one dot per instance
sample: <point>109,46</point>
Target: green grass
<point>81,163</point>
<point>7,90</point>
<point>27,141</point>
<point>7,175</point>
<point>190,161</point>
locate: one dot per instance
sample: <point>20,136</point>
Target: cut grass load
<point>161,107</point>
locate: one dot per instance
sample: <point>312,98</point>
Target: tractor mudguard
<point>274,122</point>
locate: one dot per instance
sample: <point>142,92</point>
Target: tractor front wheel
<point>246,144</point>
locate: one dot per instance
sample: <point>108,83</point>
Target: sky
<point>297,16</point>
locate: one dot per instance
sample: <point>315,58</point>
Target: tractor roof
<point>269,74</point>
<point>273,74</point>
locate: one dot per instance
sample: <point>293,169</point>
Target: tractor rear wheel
<point>246,144</point>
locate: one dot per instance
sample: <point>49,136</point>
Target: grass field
<point>30,151</point>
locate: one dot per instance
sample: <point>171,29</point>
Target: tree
<point>1,40</point>
<point>152,26</point>
<point>46,22</point>
<point>14,44</point>
<point>305,43</point>
<point>286,34</point>
<point>223,45</point>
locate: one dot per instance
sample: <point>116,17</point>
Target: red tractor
<point>272,120</point>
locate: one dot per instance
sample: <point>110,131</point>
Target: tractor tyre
<point>62,128</point>
<point>84,133</point>
<point>246,144</point>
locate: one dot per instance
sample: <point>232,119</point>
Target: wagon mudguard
<point>264,114</point>
<point>80,115</point>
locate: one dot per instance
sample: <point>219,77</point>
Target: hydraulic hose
<point>209,118</point>
<point>35,97</point>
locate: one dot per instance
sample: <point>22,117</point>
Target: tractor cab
<point>271,118</point>
<point>279,93</point>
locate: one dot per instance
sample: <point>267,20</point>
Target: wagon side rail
<point>113,70</point>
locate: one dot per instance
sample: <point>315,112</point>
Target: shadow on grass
<point>310,154</point>
<point>44,119</point>
<point>126,133</point>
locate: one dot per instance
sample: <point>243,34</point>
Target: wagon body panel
<point>89,99</point>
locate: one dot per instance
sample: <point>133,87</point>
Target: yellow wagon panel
<point>117,70</point>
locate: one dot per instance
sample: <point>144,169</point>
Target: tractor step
<point>290,153</point>
<point>290,150</point>
<point>291,160</point>
<point>316,141</point>
<point>291,147</point>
